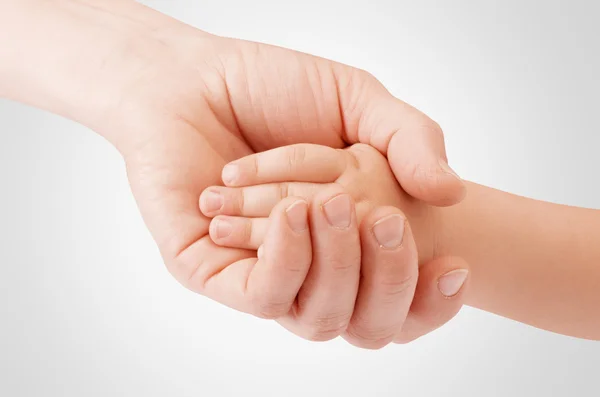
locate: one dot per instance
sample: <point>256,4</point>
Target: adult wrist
<point>76,58</point>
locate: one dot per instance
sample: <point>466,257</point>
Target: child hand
<point>365,289</point>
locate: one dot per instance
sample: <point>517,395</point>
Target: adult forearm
<point>51,52</point>
<point>535,262</point>
<point>74,58</point>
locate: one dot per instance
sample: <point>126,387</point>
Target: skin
<point>371,301</point>
<point>179,104</point>
<point>531,261</point>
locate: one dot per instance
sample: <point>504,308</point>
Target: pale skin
<point>531,261</point>
<point>179,103</point>
<point>337,189</point>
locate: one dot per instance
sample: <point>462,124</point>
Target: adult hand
<point>179,104</point>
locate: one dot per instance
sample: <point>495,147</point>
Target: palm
<point>237,98</point>
<point>244,103</point>
<point>280,97</point>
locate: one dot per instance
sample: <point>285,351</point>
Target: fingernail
<point>450,283</point>
<point>212,201</point>
<point>389,231</point>
<point>297,214</point>
<point>230,174</point>
<point>222,228</point>
<point>260,252</point>
<point>338,211</point>
<point>446,168</point>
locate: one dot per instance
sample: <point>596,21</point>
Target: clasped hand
<point>347,231</point>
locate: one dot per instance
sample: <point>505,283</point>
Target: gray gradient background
<point>87,308</point>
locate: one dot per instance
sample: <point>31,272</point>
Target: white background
<point>87,308</point>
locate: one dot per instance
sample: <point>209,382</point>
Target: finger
<point>417,159</point>
<point>269,285</point>
<point>326,300</point>
<point>413,143</point>
<point>389,278</point>
<point>169,204</point>
<point>252,201</point>
<point>216,272</point>
<point>237,232</point>
<point>438,298</point>
<point>285,260</point>
<point>293,163</point>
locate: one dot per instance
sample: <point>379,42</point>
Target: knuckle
<point>255,165</point>
<point>299,264</point>
<point>367,337</point>
<point>363,148</point>
<point>327,327</point>
<point>296,156</point>
<point>292,261</point>
<point>394,287</point>
<point>366,156</point>
<point>246,232</point>
<point>422,179</point>
<point>426,178</point>
<point>350,158</point>
<point>284,190</point>
<point>241,201</point>
<point>344,264</point>
<point>364,75</point>
<point>267,308</point>
<point>270,312</point>
<point>432,127</point>
<point>436,128</point>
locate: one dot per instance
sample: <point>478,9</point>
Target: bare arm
<point>68,56</point>
<point>179,103</point>
<point>532,261</point>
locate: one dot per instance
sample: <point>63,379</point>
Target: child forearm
<point>532,261</point>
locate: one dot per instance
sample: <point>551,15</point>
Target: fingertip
<point>389,231</point>
<point>438,298</point>
<point>335,205</point>
<point>454,274</point>
<point>450,284</point>
<point>230,174</point>
<point>387,227</point>
<point>443,278</point>
<point>453,185</point>
<point>260,252</point>
<point>418,160</point>
<point>439,295</point>
<point>389,274</point>
<point>431,184</point>
<point>211,202</point>
<point>284,258</point>
<point>289,221</point>
<point>297,215</point>
<point>219,229</point>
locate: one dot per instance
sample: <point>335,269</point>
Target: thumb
<point>438,298</point>
<point>418,159</point>
<point>412,142</point>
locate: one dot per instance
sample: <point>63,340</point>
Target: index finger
<point>293,163</point>
<point>266,286</point>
